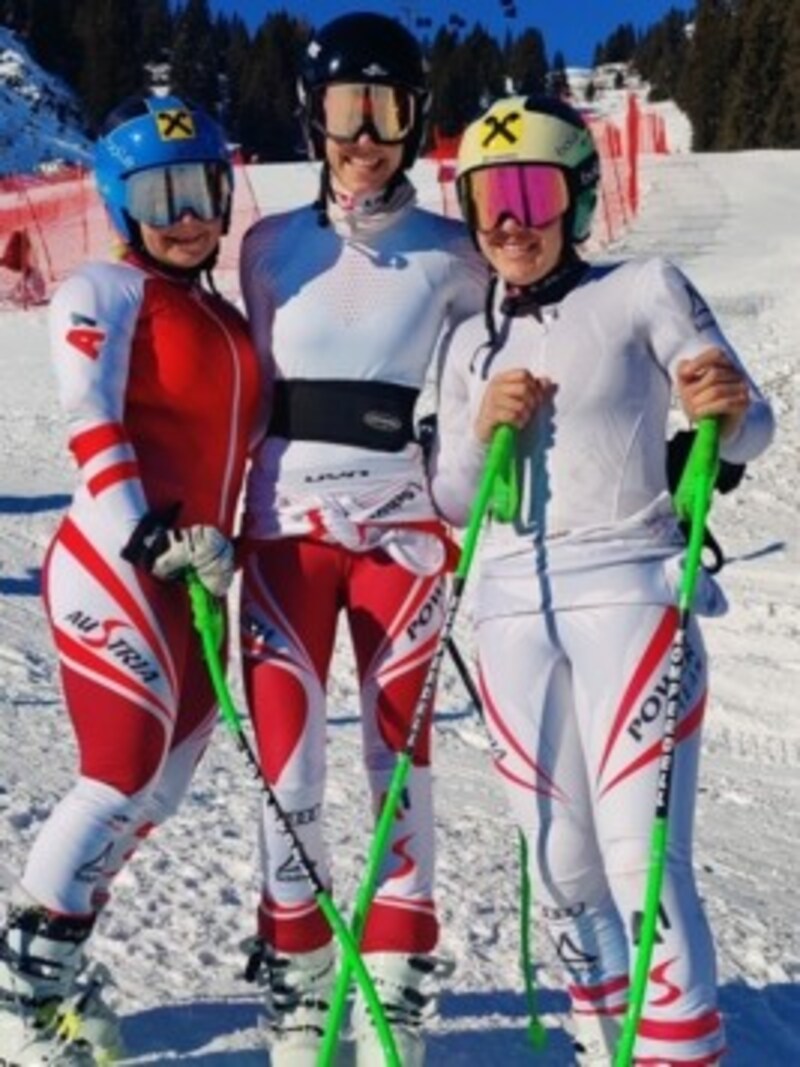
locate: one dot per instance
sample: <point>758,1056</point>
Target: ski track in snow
<point>180,910</point>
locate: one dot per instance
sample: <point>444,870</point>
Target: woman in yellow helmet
<point>575,600</point>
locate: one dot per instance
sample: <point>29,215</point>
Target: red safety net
<point>50,225</point>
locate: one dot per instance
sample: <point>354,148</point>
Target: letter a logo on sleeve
<point>86,335</point>
<point>175,124</point>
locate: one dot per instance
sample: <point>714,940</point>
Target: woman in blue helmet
<point>154,371</point>
<point>352,301</point>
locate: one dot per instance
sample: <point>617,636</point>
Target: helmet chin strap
<point>554,286</point>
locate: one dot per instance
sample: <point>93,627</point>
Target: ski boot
<point>594,1039</point>
<point>298,988</point>
<point>402,983</point>
<point>50,1006</point>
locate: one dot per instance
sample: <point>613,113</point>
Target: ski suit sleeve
<point>259,302</point>
<point>93,317</point>
<point>258,294</point>
<point>680,325</point>
<point>458,456</point>
<point>468,280</point>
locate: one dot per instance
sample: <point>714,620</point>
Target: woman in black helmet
<point>575,595</point>
<point>363,74</point>
<point>351,300</point>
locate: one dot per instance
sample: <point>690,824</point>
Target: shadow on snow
<point>30,586</point>
<point>760,1024</point>
<point>32,505</point>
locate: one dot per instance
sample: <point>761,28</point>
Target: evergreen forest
<point>732,65</point>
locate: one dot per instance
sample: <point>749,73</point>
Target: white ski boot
<point>51,1012</point>
<point>403,984</point>
<point>298,988</point>
<point>594,1039</point>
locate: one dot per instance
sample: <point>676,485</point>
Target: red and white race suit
<point>161,389</point>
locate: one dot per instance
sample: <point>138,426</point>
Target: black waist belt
<point>373,415</point>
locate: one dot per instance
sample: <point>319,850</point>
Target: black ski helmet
<point>370,48</point>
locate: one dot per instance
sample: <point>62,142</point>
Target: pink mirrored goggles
<point>532,194</point>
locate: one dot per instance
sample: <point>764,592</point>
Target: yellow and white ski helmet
<point>534,129</point>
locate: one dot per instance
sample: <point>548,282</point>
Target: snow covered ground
<point>40,118</point>
<point>180,910</point>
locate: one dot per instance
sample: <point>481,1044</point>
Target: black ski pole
<point>464,674</point>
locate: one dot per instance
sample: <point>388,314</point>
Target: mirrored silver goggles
<point>161,196</point>
<point>343,111</point>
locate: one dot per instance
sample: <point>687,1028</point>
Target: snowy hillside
<point>39,117</point>
<point>171,937</point>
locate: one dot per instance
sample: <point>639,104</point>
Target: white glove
<point>168,551</point>
<point>203,548</point>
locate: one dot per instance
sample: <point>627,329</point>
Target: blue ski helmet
<point>147,132</point>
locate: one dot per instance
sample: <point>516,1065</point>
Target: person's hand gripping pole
<point>500,451</point>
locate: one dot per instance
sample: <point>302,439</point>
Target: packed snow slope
<point>40,117</point>
<point>172,934</point>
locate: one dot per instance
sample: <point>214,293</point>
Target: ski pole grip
<point>500,451</point>
<point>693,500</point>
<point>700,472</point>
<point>209,622</point>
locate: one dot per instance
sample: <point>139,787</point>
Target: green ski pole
<point>537,1031</point>
<point>210,625</point>
<point>504,505</point>
<point>499,453</point>
<point>692,503</point>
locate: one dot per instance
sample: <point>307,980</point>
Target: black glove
<point>678,448</point>
<point>728,477</point>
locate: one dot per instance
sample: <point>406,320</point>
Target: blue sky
<point>572,27</point>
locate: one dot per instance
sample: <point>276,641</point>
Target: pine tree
<point>661,55</point>
<point>155,33</point>
<point>705,79</point>
<point>195,61</point>
<point>235,60</point>
<point>51,37</point>
<point>557,80</point>
<point>737,76</point>
<point>526,62</point>
<point>782,119</point>
<point>443,83</point>
<point>466,76</point>
<point>268,120</point>
<point>619,46</point>
<point>110,63</point>
<point>756,48</point>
